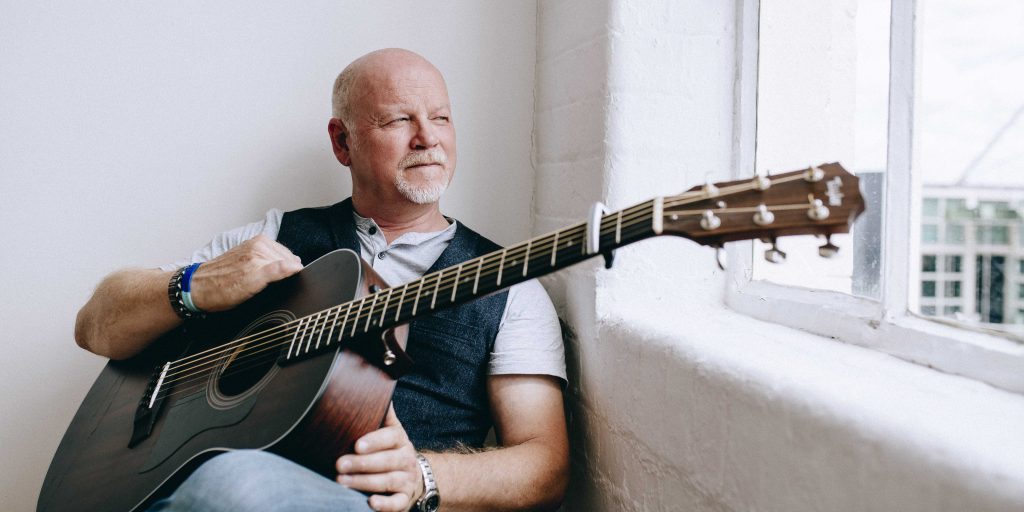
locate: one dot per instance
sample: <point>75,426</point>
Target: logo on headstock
<point>835,196</point>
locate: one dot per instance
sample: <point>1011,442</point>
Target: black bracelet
<point>174,295</point>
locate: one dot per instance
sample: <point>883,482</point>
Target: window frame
<point>887,324</point>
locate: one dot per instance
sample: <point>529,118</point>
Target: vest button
<point>380,255</point>
<point>373,230</point>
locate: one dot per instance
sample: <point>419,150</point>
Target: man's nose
<point>426,136</point>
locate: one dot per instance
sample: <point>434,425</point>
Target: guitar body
<point>311,410</point>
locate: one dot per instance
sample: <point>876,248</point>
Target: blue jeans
<point>247,480</point>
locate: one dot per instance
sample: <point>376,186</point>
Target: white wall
<point>132,132</point>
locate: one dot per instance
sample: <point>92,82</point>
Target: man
<point>392,128</point>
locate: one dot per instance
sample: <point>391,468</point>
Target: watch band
<point>431,500</point>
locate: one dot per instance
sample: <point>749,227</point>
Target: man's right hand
<point>130,308</point>
<point>240,273</point>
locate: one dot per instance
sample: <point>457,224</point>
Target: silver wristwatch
<point>431,500</point>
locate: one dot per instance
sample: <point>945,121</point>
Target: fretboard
<point>469,280</point>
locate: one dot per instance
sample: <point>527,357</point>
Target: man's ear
<point>339,141</point>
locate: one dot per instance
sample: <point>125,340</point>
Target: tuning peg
<point>828,250</point>
<point>817,210</point>
<point>761,182</point>
<point>763,217</point>
<point>773,254</point>
<point>814,174</point>
<point>709,221</point>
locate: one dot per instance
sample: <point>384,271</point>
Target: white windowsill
<point>778,405</point>
<point>987,358</point>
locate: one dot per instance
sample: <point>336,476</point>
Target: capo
<point>597,210</point>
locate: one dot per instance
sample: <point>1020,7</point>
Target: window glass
<point>822,96</point>
<point>952,289</point>
<point>955,234</point>
<point>927,288</point>
<point>928,263</point>
<point>993,235</point>
<point>929,234</point>
<point>969,128</point>
<point>952,263</point>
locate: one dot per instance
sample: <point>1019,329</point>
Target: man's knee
<point>255,480</point>
<point>236,480</point>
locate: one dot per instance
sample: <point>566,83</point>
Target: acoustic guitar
<point>309,365</point>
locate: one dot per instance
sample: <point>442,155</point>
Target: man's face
<point>400,137</point>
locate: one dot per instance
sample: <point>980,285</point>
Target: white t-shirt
<point>529,339</point>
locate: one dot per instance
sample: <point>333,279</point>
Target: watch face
<point>432,502</point>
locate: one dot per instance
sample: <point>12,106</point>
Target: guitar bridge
<point>149,407</point>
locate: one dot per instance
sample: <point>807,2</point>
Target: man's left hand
<point>384,463</point>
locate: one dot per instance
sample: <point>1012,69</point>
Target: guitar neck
<point>478,277</point>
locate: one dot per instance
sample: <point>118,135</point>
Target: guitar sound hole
<point>245,372</point>
<point>249,366</point>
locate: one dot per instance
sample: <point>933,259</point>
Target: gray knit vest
<point>442,402</point>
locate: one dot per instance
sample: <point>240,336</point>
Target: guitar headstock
<point>819,200</point>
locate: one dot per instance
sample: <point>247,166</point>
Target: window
<point>993,235</point>
<point>830,87</point>
<point>955,234</point>
<point>928,263</point>
<point>929,234</point>
<point>951,263</point>
<point>927,288</point>
<point>951,289</point>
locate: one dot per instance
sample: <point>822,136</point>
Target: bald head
<point>370,71</point>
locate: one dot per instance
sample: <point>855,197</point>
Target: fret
<point>321,330</point>
<point>355,321</point>
<point>291,346</point>
<point>369,314</point>
<point>309,339</point>
<point>345,321</point>
<point>384,311</point>
<point>554,248</point>
<point>455,287</point>
<point>416,301</point>
<point>526,260</point>
<point>618,229</point>
<point>501,267</point>
<point>479,267</point>
<point>437,286</point>
<point>334,325</point>
<point>401,302</point>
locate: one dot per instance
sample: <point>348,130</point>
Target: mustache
<point>430,156</point>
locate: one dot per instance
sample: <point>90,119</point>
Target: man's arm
<point>130,308</point>
<point>529,471</point>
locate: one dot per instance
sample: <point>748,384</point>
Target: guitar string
<point>685,198</point>
<point>333,314</point>
<point>446,285</point>
<point>363,313</point>
<point>638,211</point>
<point>688,197</point>
<point>321,323</point>
<point>516,252</point>
<point>266,346</point>
<point>443,284</point>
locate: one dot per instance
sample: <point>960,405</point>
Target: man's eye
<point>398,120</point>
<point>442,118</point>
